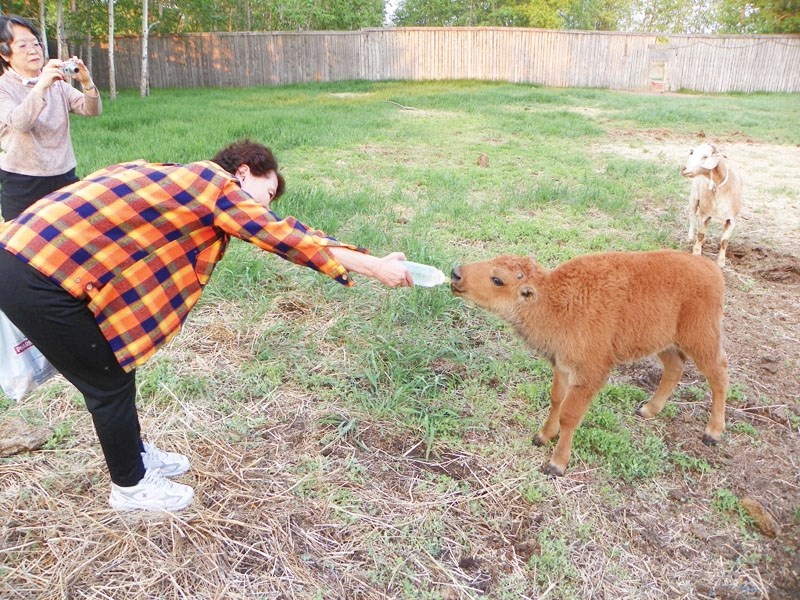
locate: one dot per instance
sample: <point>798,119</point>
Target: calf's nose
<point>455,274</point>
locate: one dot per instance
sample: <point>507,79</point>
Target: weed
<point>697,393</point>
<point>534,493</point>
<point>605,438</point>
<point>61,432</point>
<point>737,394</point>
<point>727,503</point>
<point>745,427</point>
<point>669,412</point>
<point>689,463</point>
<point>162,382</point>
<point>345,428</point>
<point>553,563</point>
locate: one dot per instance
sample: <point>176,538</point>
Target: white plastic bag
<point>22,366</point>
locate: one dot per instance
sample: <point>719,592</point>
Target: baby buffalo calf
<point>599,310</point>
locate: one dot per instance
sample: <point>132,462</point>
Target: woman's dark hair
<point>7,23</point>
<point>256,156</point>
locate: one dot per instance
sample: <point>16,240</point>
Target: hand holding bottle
<point>425,275</point>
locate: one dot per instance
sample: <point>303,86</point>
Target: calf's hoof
<point>538,440</point>
<point>643,412</point>
<point>552,470</point>
<point>709,441</point>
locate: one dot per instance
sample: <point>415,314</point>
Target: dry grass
<point>292,510</point>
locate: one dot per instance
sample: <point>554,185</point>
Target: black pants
<point>65,332</point>
<point>20,191</point>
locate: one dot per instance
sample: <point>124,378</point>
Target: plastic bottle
<point>425,275</point>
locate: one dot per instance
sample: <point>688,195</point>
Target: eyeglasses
<point>29,45</point>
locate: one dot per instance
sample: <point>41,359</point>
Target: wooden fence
<point>625,61</point>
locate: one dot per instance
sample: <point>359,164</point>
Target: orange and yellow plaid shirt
<point>139,241</point>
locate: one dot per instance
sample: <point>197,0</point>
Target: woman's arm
<point>389,270</point>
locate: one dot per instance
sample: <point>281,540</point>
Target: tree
<point>596,15</point>
<point>43,29</point>
<point>62,49</point>
<point>144,89</point>
<point>758,16</point>
<point>112,77</point>
<point>548,14</point>
<point>461,13</point>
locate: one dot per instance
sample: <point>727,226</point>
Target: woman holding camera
<point>36,155</point>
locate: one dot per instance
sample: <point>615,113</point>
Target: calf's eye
<point>497,281</point>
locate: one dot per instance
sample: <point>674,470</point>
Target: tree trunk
<point>43,29</point>
<point>61,41</point>
<point>144,89</point>
<point>112,77</point>
<point>87,56</point>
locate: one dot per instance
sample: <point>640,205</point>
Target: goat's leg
<point>673,360</point>
<point>694,202</point>
<point>573,408</point>
<point>702,227</point>
<point>723,242</point>
<point>559,389</point>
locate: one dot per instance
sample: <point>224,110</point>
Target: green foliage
<point>757,16</point>
<point>667,16</point>
<point>61,432</point>
<point>187,16</point>
<point>727,503</point>
<point>344,428</point>
<point>597,15</point>
<point>607,436</point>
<point>689,463</point>
<point>162,382</point>
<point>460,13</point>
<point>552,14</point>
<point>553,564</point>
<point>745,428</point>
<point>737,394</point>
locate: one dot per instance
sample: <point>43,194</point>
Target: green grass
<point>728,504</point>
<point>393,166</point>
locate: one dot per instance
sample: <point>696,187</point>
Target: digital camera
<point>70,67</point>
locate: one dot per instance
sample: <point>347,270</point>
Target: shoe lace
<point>155,453</point>
<point>153,477</point>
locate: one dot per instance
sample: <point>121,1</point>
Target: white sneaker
<point>171,464</point>
<point>153,492</point>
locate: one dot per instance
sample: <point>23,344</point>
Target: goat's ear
<point>710,162</point>
<point>527,292</point>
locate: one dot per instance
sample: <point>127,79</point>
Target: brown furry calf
<point>599,310</point>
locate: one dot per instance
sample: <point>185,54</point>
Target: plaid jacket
<point>139,241</point>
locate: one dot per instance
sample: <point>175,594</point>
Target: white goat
<point>716,193</point>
